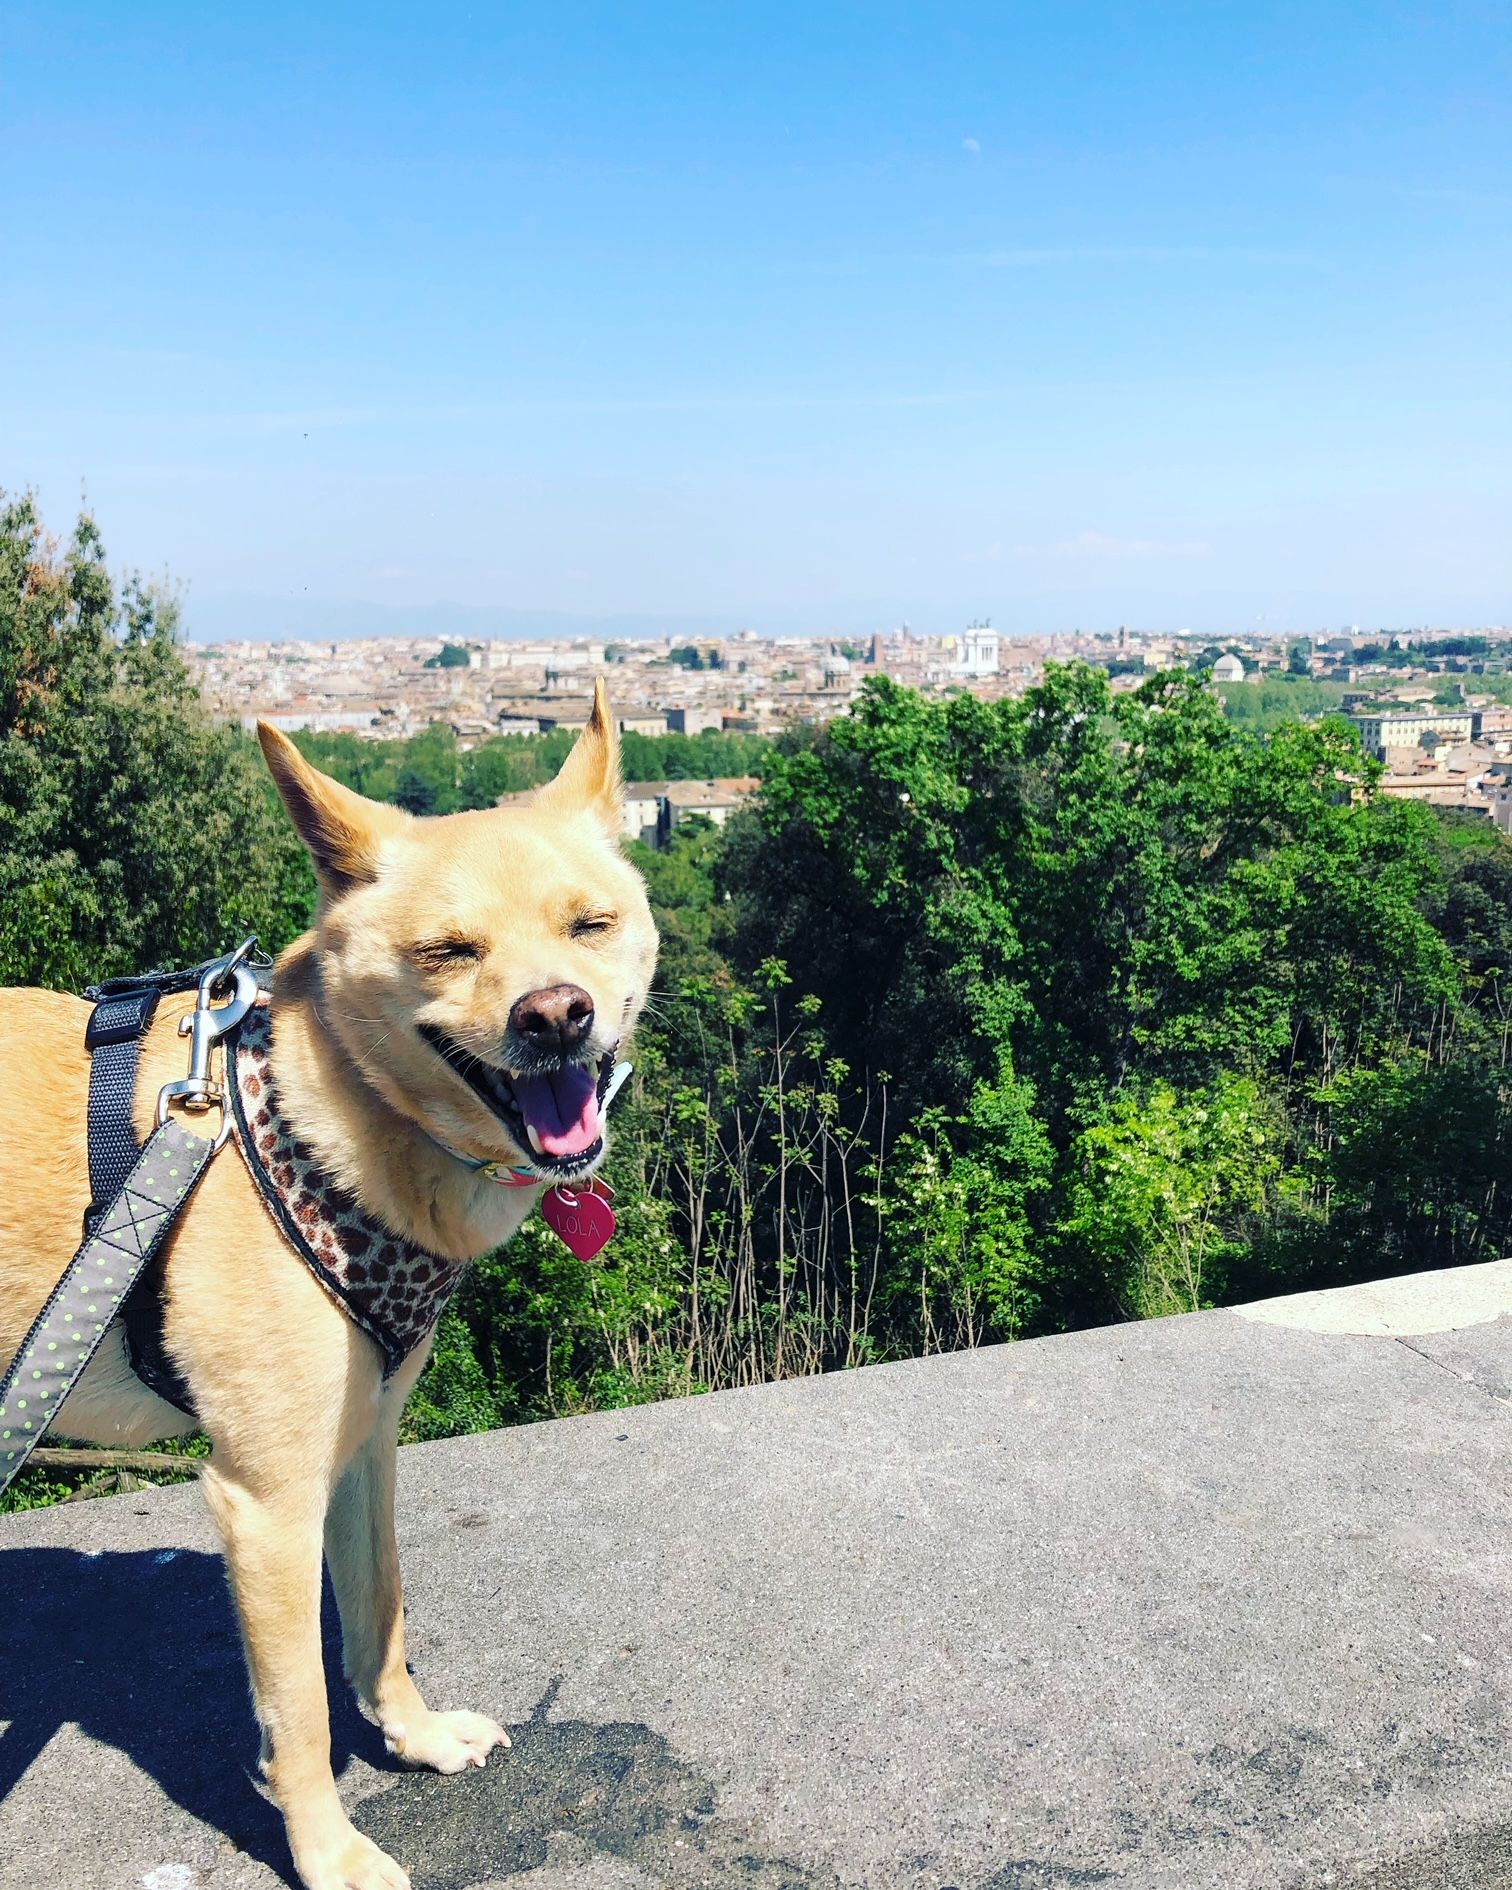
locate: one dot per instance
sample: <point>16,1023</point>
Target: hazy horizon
<point>250,619</point>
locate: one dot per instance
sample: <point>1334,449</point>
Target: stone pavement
<point>1216,1601</point>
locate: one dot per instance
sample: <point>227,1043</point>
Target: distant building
<point>1440,791</point>
<point>978,651</point>
<point>1380,732</point>
<point>695,721</point>
<point>567,714</point>
<point>641,811</point>
<point>1229,668</point>
<point>653,808</point>
<point>355,718</point>
<point>714,800</point>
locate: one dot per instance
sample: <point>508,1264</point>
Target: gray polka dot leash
<point>127,1235</point>
<point>70,1327</point>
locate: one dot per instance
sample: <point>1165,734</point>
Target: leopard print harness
<point>390,1287</point>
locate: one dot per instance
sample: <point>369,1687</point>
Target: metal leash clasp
<point>204,1026</point>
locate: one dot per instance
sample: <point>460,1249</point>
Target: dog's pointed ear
<point>344,831</point>
<point>589,779</point>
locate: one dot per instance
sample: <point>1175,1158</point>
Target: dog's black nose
<point>556,1019</point>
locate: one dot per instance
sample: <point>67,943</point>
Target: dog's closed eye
<point>593,924</point>
<point>445,954</point>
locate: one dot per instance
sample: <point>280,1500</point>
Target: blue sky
<point>815,317</point>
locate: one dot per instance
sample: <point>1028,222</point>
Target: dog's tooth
<point>535,1140</point>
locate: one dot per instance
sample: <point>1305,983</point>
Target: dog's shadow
<point>141,1650</point>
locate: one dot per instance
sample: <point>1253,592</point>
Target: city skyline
<point>799,321</point>
<point>354,620</point>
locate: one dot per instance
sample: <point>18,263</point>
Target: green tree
<point>430,778</point>
<point>510,764</point>
<point>370,767</point>
<point>1269,702</point>
<point>437,776</point>
<point>1135,899</point>
<point>680,881</point>
<point>1169,1193</point>
<point>133,830</point>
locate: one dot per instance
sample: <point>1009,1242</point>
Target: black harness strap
<point>122,1016</point>
<point>123,1012</point>
<point>113,1037</point>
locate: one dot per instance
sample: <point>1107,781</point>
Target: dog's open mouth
<point>555,1116</point>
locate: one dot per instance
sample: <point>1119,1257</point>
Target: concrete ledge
<point>1413,1307</point>
<point>1215,1601</point>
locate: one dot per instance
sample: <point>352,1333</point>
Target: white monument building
<point>977,651</point>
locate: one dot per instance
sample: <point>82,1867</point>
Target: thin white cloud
<point>1108,545</point>
<point>1124,253</point>
<point>973,145</point>
<point>316,421</point>
<point>1463,195</point>
<point>1101,547</point>
<point>292,420</point>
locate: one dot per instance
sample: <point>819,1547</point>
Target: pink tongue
<point>562,1108</point>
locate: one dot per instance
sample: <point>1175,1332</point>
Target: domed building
<point>1228,668</point>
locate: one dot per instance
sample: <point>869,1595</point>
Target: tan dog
<point>520,937</point>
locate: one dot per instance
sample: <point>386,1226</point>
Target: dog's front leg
<point>272,1536</point>
<point>363,1555</point>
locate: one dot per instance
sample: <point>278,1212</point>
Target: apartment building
<point>1380,732</point>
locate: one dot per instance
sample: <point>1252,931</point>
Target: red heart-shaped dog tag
<point>582,1218</point>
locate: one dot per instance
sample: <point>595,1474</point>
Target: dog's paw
<point>445,1742</point>
<point>351,1863</point>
